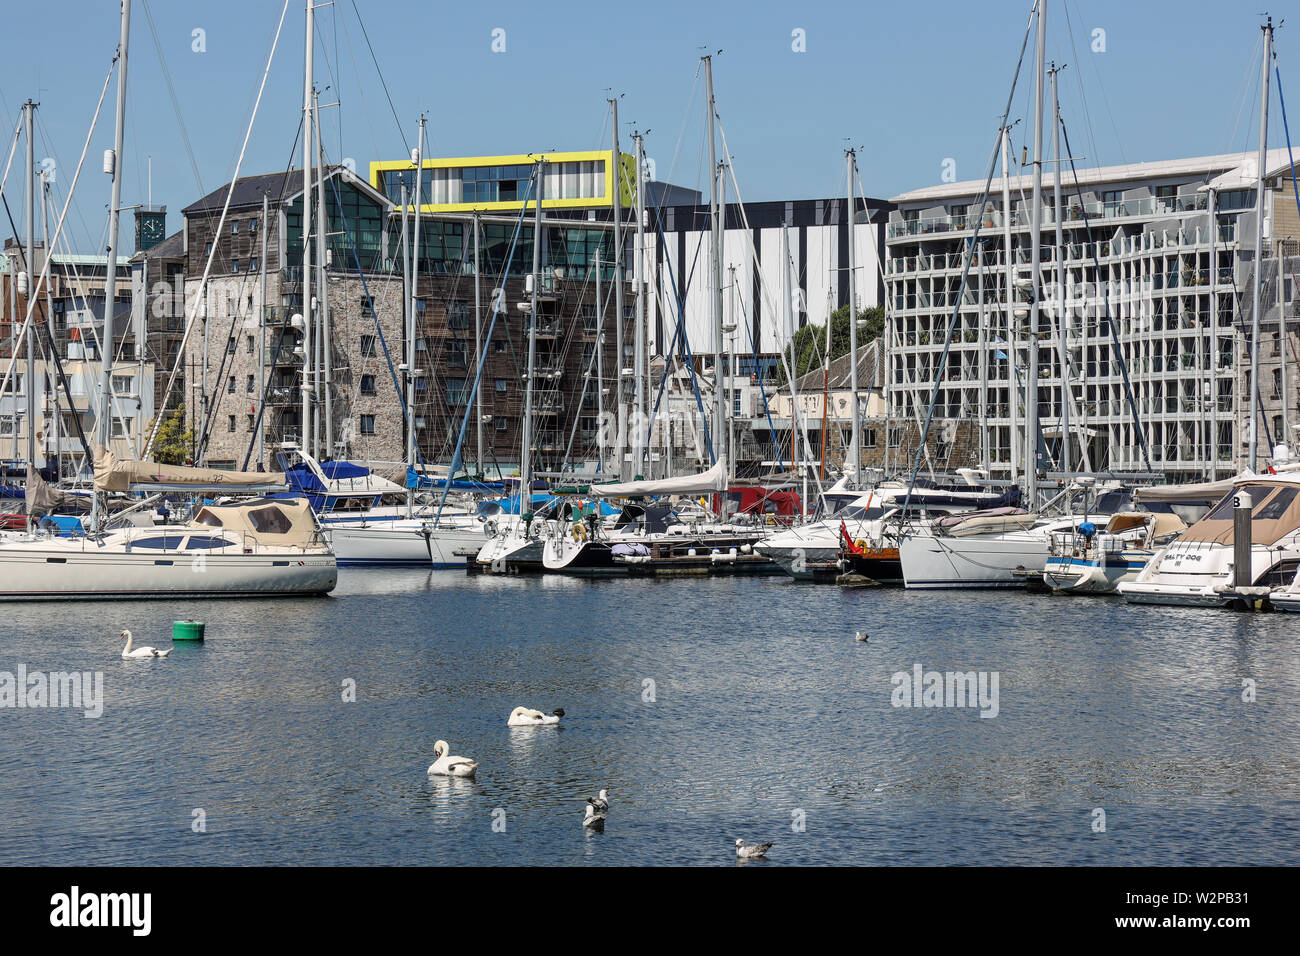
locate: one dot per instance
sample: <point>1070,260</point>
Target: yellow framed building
<point>573,180</point>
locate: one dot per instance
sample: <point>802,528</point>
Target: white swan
<point>600,802</point>
<point>527,717</point>
<point>129,654</point>
<point>449,766</point>
<point>594,820</point>
<point>751,852</point>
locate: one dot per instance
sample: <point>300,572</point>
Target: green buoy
<point>187,630</point>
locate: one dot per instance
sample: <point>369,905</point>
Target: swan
<point>594,820</point>
<point>600,802</point>
<point>451,766</point>
<point>527,717</point>
<point>131,654</point>
<point>753,852</point>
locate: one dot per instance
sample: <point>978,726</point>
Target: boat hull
<point>935,562</point>
<point>65,574</point>
<point>400,544</point>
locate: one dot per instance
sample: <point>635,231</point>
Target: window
<point>501,384</point>
<point>419,383</point>
<point>252,423</point>
<point>455,391</point>
<point>270,521</point>
<point>207,249</point>
<point>501,423</point>
<point>230,345</point>
<point>894,438</point>
<point>367,307</point>
<point>869,438</point>
<point>234,226</point>
<point>367,346</point>
<point>367,424</point>
<point>367,385</point>
<point>250,387</point>
<point>252,227</point>
<point>251,344</point>
<point>232,424</point>
<point>499,345</point>
<point>456,354</point>
<point>234,265</point>
<point>230,388</point>
<point>252,264</point>
<point>458,315</point>
<point>421,345</point>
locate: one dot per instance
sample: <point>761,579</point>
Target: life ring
<point>579,531</point>
<point>860,544</point>
<point>490,529</point>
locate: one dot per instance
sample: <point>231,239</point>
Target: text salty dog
<point>77,909</point>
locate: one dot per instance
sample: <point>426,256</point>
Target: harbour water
<point>764,720</point>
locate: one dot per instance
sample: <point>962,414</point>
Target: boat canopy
<point>715,479</point>
<point>423,481</point>
<point>114,475</point>
<point>1275,513</point>
<point>990,521</point>
<point>267,521</point>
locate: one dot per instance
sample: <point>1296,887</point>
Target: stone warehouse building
<point>243,360</point>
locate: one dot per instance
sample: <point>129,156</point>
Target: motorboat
<point>1096,560</point>
<point>1199,568</point>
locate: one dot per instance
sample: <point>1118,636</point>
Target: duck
<point>449,766</point>
<point>527,717</point>
<point>129,652</point>
<point>600,802</point>
<point>594,820</point>
<point>752,852</point>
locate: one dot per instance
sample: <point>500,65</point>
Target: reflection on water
<point>711,709</point>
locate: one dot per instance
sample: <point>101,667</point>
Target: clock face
<point>151,228</point>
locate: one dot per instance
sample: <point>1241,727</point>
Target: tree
<point>810,342</point>
<point>172,444</point>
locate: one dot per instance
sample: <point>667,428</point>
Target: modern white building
<point>1165,249</point>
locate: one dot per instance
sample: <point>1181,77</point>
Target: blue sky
<point>911,84</point>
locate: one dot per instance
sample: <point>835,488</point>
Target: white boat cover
<point>715,479</point>
<point>114,475</point>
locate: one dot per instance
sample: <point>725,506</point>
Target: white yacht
<point>260,548</point>
<point>1199,569</point>
<point>811,551</point>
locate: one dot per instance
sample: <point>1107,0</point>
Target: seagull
<point>527,717</point>
<point>451,766</point>
<point>132,654</point>
<point>757,851</point>
<point>594,820</point>
<point>600,802</point>
<point>861,637</point>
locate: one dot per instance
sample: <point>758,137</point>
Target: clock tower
<point>150,227</point>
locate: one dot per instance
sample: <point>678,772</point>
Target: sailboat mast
<point>263,228</point>
<point>322,295</point>
<point>29,257</point>
<point>617,179</point>
<point>851,162</point>
<point>1035,267</point>
<point>478,344</point>
<point>1259,247</point>
<point>787,327</point>
<point>406,305</point>
<point>104,428</point>
<point>1062,345</point>
<point>1013,390</point>
<point>415,294</point>
<point>600,370</point>
<point>525,476</point>
<point>715,270</point>
<point>642,398</point>
<point>307,312</point>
